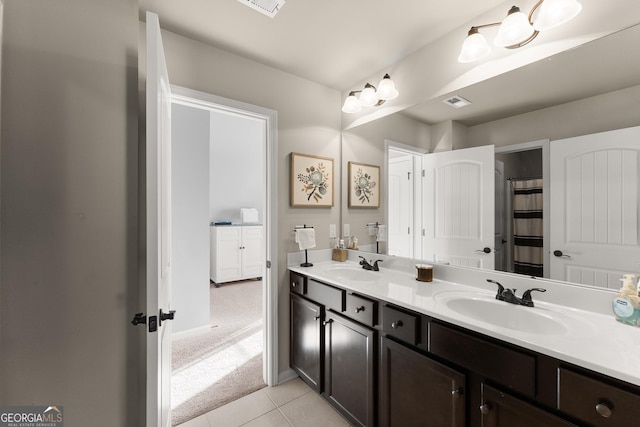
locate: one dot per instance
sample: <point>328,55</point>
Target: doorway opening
<point>234,353</point>
<point>521,212</point>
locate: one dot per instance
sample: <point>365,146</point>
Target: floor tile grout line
<point>285,417</point>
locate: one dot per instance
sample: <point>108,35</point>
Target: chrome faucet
<point>509,295</point>
<point>367,266</point>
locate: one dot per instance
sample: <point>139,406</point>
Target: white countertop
<point>593,340</point>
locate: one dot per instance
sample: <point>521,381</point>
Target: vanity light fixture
<point>518,29</point>
<point>370,96</point>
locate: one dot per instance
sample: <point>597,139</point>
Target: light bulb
<point>475,47</point>
<point>386,89</point>
<point>368,96</point>
<point>515,29</point>
<point>553,13</point>
<point>351,104</point>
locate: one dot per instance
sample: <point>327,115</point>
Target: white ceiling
<point>340,43</point>
<point>336,43</point>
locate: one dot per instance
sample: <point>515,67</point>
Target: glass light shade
<point>386,89</point>
<point>515,29</point>
<point>553,13</point>
<point>475,47</point>
<point>351,104</point>
<point>368,97</point>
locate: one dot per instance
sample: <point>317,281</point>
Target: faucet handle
<point>500,288</point>
<point>526,296</point>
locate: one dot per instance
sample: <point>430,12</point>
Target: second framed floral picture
<point>364,185</point>
<point>311,181</point>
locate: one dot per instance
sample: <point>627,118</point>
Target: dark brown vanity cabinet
<point>384,365</point>
<point>306,341</point>
<point>350,382</point>
<point>418,391</point>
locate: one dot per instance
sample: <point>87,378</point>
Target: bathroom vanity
<point>386,350</point>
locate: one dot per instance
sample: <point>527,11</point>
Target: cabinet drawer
<point>326,295</point>
<point>361,309</point>
<point>596,402</point>
<point>509,367</point>
<point>400,324</point>
<point>297,283</point>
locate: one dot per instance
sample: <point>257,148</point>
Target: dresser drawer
<point>330,297</point>
<point>511,368</point>
<point>362,309</point>
<point>596,402</point>
<point>297,283</point>
<point>400,324</point>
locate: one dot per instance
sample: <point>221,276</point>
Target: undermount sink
<point>486,309</point>
<point>351,274</point>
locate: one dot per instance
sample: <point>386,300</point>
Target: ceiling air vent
<point>268,7</point>
<point>457,102</point>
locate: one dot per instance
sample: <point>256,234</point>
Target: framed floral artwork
<point>364,185</point>
<point>311,181</point>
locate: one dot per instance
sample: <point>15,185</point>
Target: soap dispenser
<point>626,305</point>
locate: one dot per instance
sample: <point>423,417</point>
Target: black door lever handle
<point>166,316</point>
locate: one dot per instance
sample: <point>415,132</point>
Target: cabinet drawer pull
<point>603,410</point>
<point>359,309</point>
<point>326,322</point>
<point>294,284</point>
<point>485,409</point>
<point>396,325</point>
<point>457,392</point>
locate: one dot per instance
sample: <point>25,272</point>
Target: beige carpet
<point>224,363</point>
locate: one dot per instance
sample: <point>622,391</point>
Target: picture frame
<point>312,181</point>
<point>363,185</point>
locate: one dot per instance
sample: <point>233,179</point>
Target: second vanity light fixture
<point>370,96</point>
<point>518,29</point>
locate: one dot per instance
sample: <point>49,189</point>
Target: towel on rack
<point>372,229</point>
<point>249,215</point>
<point>382,233</point>
<point>306,238</point>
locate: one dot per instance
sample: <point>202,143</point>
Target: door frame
<point>417,153</point>
<point>195,98</point>
<point>542,144</point>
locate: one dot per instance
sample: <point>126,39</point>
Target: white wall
<point>613,110</point>
<point>69,201</point>
<point>308,122</point>
<point>237,166</point>
<point>190,217</point>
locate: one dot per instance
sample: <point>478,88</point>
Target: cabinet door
<point>418,391</point>
<point>306,341</point>
<point>501,409</point>
<point>227,260</point>
<point>349,373</point>
<point>252,253</point>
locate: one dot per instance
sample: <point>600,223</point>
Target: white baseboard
<point>190,332</point>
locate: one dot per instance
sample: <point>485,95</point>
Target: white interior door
<point>595,207</point>
<point>459,207</point>
<point>400,190</point>
<point>158,164</point>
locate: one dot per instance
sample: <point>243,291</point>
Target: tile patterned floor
<point>292,404</point>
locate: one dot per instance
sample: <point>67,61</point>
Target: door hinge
<point>408,230</point>
<point>423,173</point>
<point>424,232</point>
<point>268,264</point>
<point>408,176</point>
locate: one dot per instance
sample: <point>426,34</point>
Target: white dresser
<point>236,252</point>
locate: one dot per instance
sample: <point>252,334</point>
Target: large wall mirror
<point>516,119</point>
